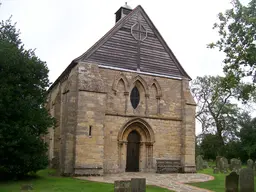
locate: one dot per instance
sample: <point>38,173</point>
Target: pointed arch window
<point>135,97</point>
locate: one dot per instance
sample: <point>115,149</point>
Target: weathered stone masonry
<point>92,105</point>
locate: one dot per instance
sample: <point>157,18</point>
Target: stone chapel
<point>122,105</point>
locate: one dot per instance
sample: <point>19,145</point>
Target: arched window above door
<point>135,97</point>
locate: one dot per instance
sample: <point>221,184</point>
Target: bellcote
<point>123,11</point>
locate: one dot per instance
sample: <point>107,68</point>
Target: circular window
<point>135,97</point>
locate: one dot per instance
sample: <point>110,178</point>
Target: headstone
<point>122,186</point>
<point>231,182</point>
<point>215,170</point>
<point>232,164</point>
<point>235,165</point>
<point>246,180</point>
<point>221,165</point>
<point>250,163</point>
<point>205,165</point>
<point>26,187</point>
<point>199,162</point>
<point>138,185</point>
<point>224,165</point>
<point>218,162</point>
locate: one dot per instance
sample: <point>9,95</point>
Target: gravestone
<point>122,186</point>
<point>246,180</point>
<point>26,187</point>
<point>199,162</point>
<point>233,162</point>
<point>250,163</point>
<point>218,162</point>
<point>225,165</point>
<point>235,165</point>
<point>205,165</point>
<point>215,170</point>
<point>231,182</point>
<point>138,185</point>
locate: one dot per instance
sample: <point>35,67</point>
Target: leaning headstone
<point>231,182</point>
<point>26,187</point>
<point>199,162</point>
<point>122,186</point>
<point>138,185</point>
<point>246,180</point>
<point>250,163</point>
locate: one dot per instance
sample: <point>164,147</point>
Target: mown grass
<point>45,182</point>
<point>218,184</point>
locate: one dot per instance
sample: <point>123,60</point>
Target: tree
<point>215,111</point>
<point>23,90</point>
<point>210,146</point>
<point>237,31</point>
<point>248,134</point>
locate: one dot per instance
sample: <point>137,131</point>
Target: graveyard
<point>227,174</point>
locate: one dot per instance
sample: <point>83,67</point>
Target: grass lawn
<point>218,184</point>
<point>46,183</point>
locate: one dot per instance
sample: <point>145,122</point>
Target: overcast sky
<point>62,30</point>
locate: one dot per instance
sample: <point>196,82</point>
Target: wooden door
<point>133,152</point>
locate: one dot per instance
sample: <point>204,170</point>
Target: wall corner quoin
<point>186,93</point>
<point>188,128</point>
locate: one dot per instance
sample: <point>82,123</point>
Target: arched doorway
<point>135,146</point>
<point>133,152</point>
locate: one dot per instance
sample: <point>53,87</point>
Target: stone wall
<point>166,105</point>
<point>160,97</point>
<point>93,107</point>
<point>166,146</point>
<point>90,121</point>
<point>188,129</point>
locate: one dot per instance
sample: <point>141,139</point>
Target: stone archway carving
<point>145,127</point>
<point>119,77</point>
<point>139,79</point>
<point>158,93</point>
<point>146,143</point>
<point>158,88</point>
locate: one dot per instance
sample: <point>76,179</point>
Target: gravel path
<point>174,182</point>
